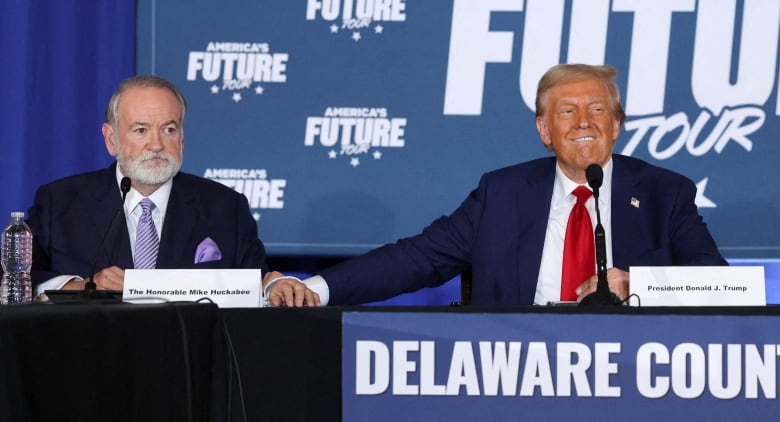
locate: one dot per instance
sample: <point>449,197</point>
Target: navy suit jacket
<point>499,231</point>
<point>70,216</point>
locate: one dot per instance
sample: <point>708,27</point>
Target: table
<point>186,361</point>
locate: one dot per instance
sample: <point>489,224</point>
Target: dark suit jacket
<point>499,231</point>
<point>70,217</point>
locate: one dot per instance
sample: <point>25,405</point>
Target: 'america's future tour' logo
<point>357,18</point>
<point>355,133</point>
<point>237,68</point>
<point>261,191</point>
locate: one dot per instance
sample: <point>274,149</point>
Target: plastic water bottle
<point>16,286</point>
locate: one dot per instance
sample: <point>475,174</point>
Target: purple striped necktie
<point>146,242</point>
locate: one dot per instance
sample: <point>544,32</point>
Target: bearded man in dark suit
<point>199,223</point>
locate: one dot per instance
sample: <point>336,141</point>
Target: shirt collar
<point>564,186</point>
<point>159,196</point>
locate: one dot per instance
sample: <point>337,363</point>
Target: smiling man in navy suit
<point>198,223</point>
<point>510,230</point>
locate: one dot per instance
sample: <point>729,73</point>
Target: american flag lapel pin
<point>634,202</point>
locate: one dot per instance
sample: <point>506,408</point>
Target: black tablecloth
<point>97,362</point>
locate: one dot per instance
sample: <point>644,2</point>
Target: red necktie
<point>579,247</point>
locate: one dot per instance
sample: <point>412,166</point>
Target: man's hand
<point>111,278</point>
<point>288,291</point>
<point>618,284</point>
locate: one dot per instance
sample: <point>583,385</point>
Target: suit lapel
<point>107,200</point>
<point>533,212</point>
<point>626,217</point>
<point>181,218</point>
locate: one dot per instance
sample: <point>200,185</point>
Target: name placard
<point>228,288</point>
<point>698,286</point>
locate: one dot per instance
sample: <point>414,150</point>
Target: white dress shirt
<point>133,210</point>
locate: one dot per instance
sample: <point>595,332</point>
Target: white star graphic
<point>214,89</point>
<point>237,97</point>
<point>332,154</point>
<point>356,36</point>
<point>256,216</point>
<point>259,90</point>
<point>354,162</point>
<point>701,200</point>
<point>334,28</point>
<point>378,29</point>
<point>377,155</point>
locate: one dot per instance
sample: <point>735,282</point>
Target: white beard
<point>145,172</point>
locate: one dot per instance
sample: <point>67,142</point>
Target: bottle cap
<point>17,214</point>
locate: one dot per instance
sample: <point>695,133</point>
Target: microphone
<point>602,295</point>
<point>90,288</point>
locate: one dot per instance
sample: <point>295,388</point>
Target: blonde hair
<point>569,73</point>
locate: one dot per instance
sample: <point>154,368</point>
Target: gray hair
<point>141,81</point>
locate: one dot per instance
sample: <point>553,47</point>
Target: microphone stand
<point>602,295</point>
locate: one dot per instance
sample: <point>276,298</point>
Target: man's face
<point>148,141</point>
<point>579,124</point>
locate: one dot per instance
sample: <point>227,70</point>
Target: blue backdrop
<point>351,123</point>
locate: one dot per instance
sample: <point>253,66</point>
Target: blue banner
<point>509,367</point>
<point>351,123</point>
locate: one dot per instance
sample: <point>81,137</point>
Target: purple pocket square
<point>207,251</point>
